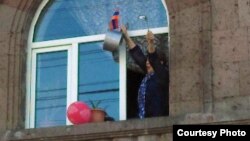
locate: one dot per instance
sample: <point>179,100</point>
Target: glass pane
<point>51,89</point>
<point>73,18</point>
<point>99,78</point>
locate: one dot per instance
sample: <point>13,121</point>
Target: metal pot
<point>112,40</point>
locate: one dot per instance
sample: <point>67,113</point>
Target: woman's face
<point>149,67</point>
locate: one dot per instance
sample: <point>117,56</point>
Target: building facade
<point>209,59</point>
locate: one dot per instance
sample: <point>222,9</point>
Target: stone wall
<point>210,66</point>
<point>231,57</point>
<point>190,56</point>
<point>15,17</point>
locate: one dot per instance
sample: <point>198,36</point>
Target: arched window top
<point>62,19</point>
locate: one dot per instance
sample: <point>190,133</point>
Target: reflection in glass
<point>99,78</point>
<point>51,89</point>
<point>73,18</point>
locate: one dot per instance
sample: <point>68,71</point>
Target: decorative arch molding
<point>17,16</point>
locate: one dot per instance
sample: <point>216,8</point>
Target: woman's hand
<point>150,39</point>
<point>124,31</point>
<point>128,40</point>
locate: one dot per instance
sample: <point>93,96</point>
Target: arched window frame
<point>71,45</point>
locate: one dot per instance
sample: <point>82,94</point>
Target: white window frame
<point>33,78</point>
<point>72,45</point>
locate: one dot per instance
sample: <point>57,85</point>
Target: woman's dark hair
<point>162,56</point>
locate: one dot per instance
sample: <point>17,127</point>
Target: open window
<point>135,74</point>
<point>66,62</point>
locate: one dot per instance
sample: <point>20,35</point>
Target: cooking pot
<point>112,41</point>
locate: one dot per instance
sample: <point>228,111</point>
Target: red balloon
<point>79,113</point>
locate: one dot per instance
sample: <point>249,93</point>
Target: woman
<point>153,92</point>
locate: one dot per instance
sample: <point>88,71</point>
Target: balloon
<point>79,113</point>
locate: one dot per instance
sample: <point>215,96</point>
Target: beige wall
<point>15,17</point>
<point>190,56</point>
<point>231,57</point>
<point>209,58</point>
<point>210,66</point>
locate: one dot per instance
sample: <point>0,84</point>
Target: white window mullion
<point>75,71</point>
<point>32,93</point>
<point>123,82</point>
<point>69,81</point>
<point>72,85</point>
<point>92,38</point>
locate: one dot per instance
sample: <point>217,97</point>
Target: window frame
<point>33,78</point>
<point>72,46</point>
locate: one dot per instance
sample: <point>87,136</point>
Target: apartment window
<point>66,61</point>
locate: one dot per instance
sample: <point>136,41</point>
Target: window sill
<point>119,129</point>
<point>94,131</point>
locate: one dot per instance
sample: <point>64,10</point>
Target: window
<point>66,62</point>
<point>98,77</point>
<point>51,87</point>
